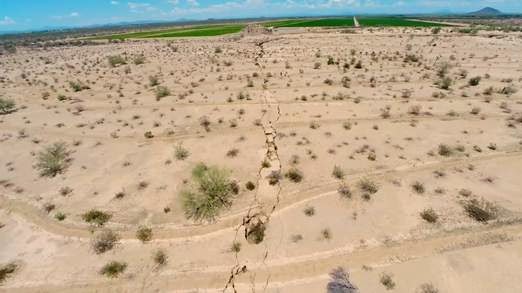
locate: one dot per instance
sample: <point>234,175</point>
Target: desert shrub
<point>116,60</point>
<point>139,59</point>
<point>435,30</point>
<point>113,269</point>
<point>250,185</point>
<point>153,80</point>
<point>53,160</point>
<point>309,211</point>
<point>104,241</point>
<point>427,288</point>
<point>367,185</point>
<point>162,92</point>
<point>330,60</point>
<point>442,68</point>
<point>326,234</point>
<point>445,150</point>
<point>474,81</point>
<point>387,281</point>
<point>232,153</point>
<point>7,270</point>
<point>144,234</point>
<point>344,190</point>
<point>255,232</point>
<point>481,211</point>
<point>475,110</point>
<point>445,83</point>
<point>204,122</point>
<point>78,86</point>
<point>415,110</point>
<point>159,257</point>
<point>294,174</point>
<point>338,172</point>
<point>181,153</point>
<point>274,177</point>
<point>340,282</point>
<point>212,191</point>
<point>6,106</point>
<point>60,216</point>
<point>96,217</point>
<point>429,215</point>
<point>235,247</point>
<point>418,187</point>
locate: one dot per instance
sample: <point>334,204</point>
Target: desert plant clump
<point>250,185</point>
<point>429,215</point>
<point>160,258</point>
<point>418,187</point>
<point>144,234</point>
<point>161,92</point>
<point>211,192</point>
<point>445,150</point>
<point>344,190</point>
<point>368,186</point>
<point>78,86</point>
<point>274,177</point>
<point>7,270</point>
<point>294,174</point>
<point>235,247</point>
<point>116,60</point>
<point>139,59</point>
<point>481,211</point>
<point>340,282</point>
<point>113,269</point>
<point>6,106</point>
<point>181,153</point>
<point>427,288</point>
<point>104,241</point>
<point>474,81</point>
<point>309,211</point>
<point>53,160</point>
<point>387,281</point>
<point>338,172</point>
<point>96,217</point>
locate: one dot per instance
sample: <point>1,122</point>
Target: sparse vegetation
<point>104,241</point>
<point>369,186</point>
<point>481,211</point>
<point>387,281</point>
<point>429,215</point>
<point>96,217</point>
<point>144,234</point>
<point>7,270</point>
<point>116,60</point>
<point>181,153</point>
<point>340,282</point>
<point>6,106</point>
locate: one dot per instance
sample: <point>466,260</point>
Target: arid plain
<point>395,154</point>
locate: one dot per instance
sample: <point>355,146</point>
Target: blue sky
<point>36,14</point>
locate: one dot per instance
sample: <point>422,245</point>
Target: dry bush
<point>160,257</point>
<point>387,281</point>
<point>418,187</point>
<point>294,174</point>
<point>338,172</point>
<point>96,217</point>
<point>181,153</point>
<point>144,234</point>
<point>481,211</point>
<point>429,215</point>
<point>6,106</point>
<point>116,60</point>
<point>340,282</point>
<point>367,185</point>
<point>7,270</point>
<point>104,241</point>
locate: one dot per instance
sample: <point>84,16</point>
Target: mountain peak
<point>486,11</point>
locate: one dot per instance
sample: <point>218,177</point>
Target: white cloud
<point>74,14</point>
<point>115,2</point>
<point>193,2</point>
<point>7,21</point>
<point>140,7</point>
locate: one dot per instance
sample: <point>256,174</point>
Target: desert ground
<point>394,154</point>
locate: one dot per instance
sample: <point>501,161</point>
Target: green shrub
<point>113,269</point>
<point>211,192</point>
<point>116,60</point>
<point>6,106</point>
<point>144,234</point>
<point>53,160</point>
<point>338,172</point>
<point>162,92</point>
<point>96,217</point>
<point>181,153</point>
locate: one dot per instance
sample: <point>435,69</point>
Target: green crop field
<point>348,22</point>
<point>195,31</point>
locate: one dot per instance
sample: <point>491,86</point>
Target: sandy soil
<point>383,122</point>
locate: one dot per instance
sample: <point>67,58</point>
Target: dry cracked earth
<point>394,154</point>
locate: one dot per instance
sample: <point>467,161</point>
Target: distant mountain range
<point>486,11</point>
